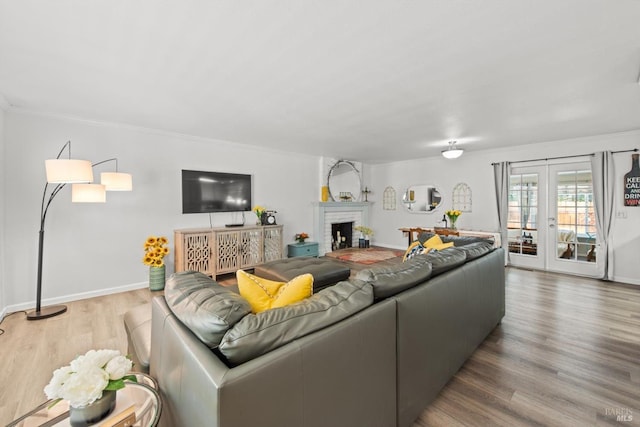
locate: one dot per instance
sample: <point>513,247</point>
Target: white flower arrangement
<point>84,380</point>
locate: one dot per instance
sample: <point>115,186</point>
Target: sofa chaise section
<point>342,375</point>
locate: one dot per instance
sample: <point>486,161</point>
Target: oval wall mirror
<point>422,198</point>
<point>344,182</point>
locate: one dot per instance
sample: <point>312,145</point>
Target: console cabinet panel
<point>214,251</point>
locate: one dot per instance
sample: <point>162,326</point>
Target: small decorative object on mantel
<point>453,215</point>
<point>346,196</point>
<point>365,231</point>
<point>259,211</point>
<point>90,383</point>
<point>301,237</point>
<point>325,193</point>
<point>366,193</point>
<point>632,183</point>
<point>155,250</point>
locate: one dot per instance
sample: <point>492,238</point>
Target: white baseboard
<point>72,297</point>
<point>628,280</point>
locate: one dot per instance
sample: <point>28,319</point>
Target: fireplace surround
<point>328,213</point>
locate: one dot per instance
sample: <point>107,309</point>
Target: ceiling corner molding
<point>4,105</point>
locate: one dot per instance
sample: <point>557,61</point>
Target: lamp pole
<point>52,310</point>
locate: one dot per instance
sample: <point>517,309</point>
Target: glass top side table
<point>143,396</point>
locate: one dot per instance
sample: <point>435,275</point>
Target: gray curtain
<point>501,172</point>
<point>603,187</point>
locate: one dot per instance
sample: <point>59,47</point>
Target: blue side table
<point>302,249</point>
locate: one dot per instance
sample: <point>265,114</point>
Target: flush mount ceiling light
<point>452,152</point>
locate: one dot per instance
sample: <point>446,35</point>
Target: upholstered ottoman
<point>137,323</point>
<point>325,272</point>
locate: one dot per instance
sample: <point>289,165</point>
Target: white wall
<point>2,209</point>
<point>474,168</point>
<point>93,249</point>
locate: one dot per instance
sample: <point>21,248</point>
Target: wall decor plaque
<point>632,183</point>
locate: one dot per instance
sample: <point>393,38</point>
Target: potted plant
<point>301,237</point>
<point>366,232</point>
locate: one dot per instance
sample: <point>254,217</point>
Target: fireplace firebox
<point>341,235</point>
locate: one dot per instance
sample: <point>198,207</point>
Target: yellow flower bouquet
<point>453,215</point>
<point>155,250</point>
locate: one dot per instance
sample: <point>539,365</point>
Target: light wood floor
<point>566,354</point>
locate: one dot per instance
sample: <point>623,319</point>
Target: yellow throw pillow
<point>264,294</point>
<point>436,243</point>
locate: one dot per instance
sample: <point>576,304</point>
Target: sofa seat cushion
<point>390,280</point>
<point>477,249</point>
<point>204,306</point>
<point>446,259</point>
<point>265,294</point>
<point>260,333</point>
<point>325,271</point>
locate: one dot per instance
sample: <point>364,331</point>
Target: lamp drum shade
<point>116,181</point>
<point>88,193</point>
<point>66,171</point>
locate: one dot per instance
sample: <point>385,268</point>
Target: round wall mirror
<point>344,182</point>
<point>422,199</point>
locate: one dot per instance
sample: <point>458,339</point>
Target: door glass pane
<point>523,214</point>
<point>575,216</point>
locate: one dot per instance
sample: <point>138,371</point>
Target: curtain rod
<point>567,157</point>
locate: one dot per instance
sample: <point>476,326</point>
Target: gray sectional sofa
<point>371,351</point>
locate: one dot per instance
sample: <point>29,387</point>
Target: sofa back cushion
<point>204,306</point>
<point>477,249</point>
<point>458,241</point>
<point>446,259</point>
<point>390,280</point>
<point>260,333</point>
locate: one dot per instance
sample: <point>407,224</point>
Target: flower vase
<point>156,278</point>
<point>453,223</point>
<point>96,411</point>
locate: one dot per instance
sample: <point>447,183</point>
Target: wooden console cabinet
<point>214,251</point>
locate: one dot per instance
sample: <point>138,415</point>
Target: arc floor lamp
<point>79,173</point>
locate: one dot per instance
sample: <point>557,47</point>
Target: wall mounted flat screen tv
<point>204,192</point>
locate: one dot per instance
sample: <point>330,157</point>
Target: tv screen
<point>204,192</point>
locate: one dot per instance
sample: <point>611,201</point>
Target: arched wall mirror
<point>344,182</point>
<point>422,199</point>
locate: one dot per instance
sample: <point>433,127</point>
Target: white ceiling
<point>376,80</point>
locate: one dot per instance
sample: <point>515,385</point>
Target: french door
<point>572,221</point>
<point>551,222</point>
<point>527,217</point>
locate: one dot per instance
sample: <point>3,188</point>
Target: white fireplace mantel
<point>327,213</point>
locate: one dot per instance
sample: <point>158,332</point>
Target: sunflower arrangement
<point>155,250</point>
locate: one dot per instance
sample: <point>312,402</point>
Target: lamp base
<point>45,312</point>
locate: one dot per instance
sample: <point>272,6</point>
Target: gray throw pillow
<point>260,333</point>
<point>207,308</point>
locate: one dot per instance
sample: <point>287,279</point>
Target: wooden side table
<point>302,249</point>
